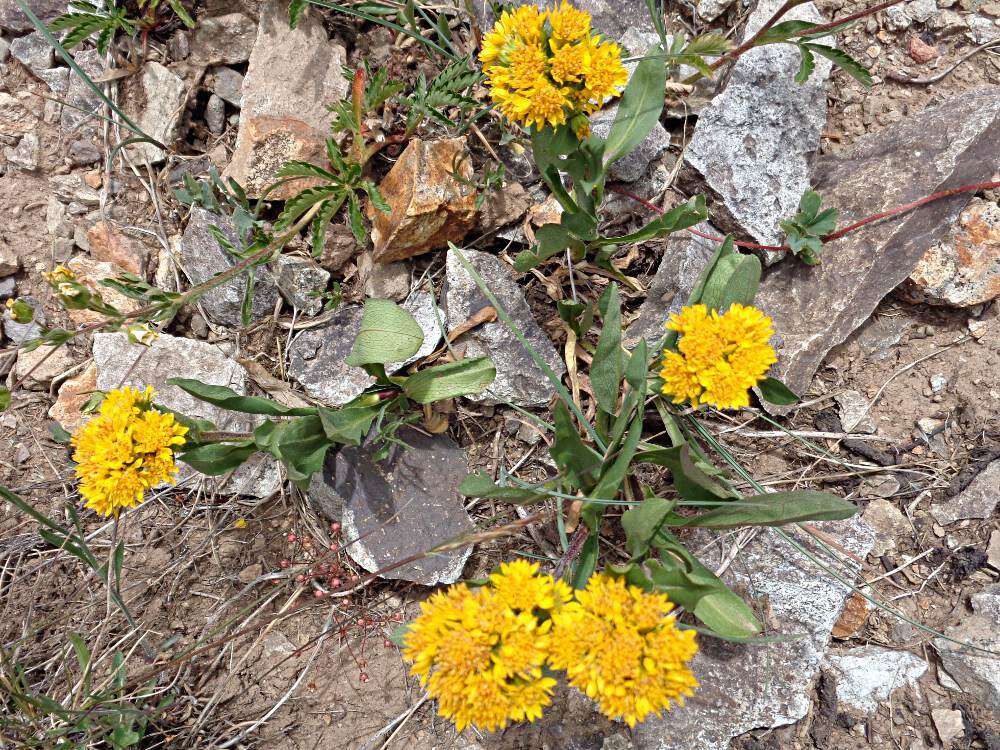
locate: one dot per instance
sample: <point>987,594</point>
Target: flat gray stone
<point>120,363</point>
<point>752,144</point>
<point>978,500</point>
<point>227,84</point>
<point>683,259</point>
<point>202,258</point>
<point>611,17</point>
<point>294,77</point>
<point>302,282</point>
<point>25,154</point>
<point>817,307</point>
<point>33,51</point>
<point>405,505</point>
<point>519,380</point>
<point>749,687</point>
<point>12,18</point>
<point>162,96</point>
<point>867,676</point>
<point>855,412</point>
<point>975,672</point>
<point>223,40</point>
<point>78,94</point>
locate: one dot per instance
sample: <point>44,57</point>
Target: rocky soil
<point>894,342</point>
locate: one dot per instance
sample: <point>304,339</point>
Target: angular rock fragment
<point>855,412</point>
<point>752,144</point>
<point>162,95</point>
<point>684,258</point>
<point>121,363</point>
<point>302,282</point>
<point>519,379</point>
<point>964,268</point>
<point>74,393</point>
<point>82,98</point>
<point>428,207</point>
<point>25,154</point>
<point>816,307</point>
<point>10,263</point>
<point>227,84</point>
<point>759,686</point>
<point>33,51</point>
<point>975,672</point>
<point>223,40</point>
<point>12,18</point>
<point>21,332</point>
<point>203,257</point>
<point>978,500</point>
<point>39,367</point>
<point>107,243</point>
<point>294,77</point>
<point>405,505</point>
<point>868,676</point>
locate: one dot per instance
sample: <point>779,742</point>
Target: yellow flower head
<point>545,68</point>
<point>620,646</point>
<point>480,652</point>
<point>125,450</point>
<point>719,358</point>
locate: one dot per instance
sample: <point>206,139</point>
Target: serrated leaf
<point>639,108</point>
<point>295,9</point>
<point>388,334</point>
<point>462,378</point>
<point>845,62</point>
<point>806,66</point>
<point>785,30</point>
<point>711,44</point>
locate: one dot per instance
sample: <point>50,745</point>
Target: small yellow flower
<point>547,79</point>
<point>719,358</point>
<point>125,450</point>
<point>620,646</point>
<point>480,652</point>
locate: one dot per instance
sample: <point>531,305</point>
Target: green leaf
<point>398,634</point>
<point>809,205</point>
<point>690,481</point>
<point>679,217</point>
<point>548,145</point>
<point>776,509</point>
<point>784,30</point>
<point>642,522</point>
<point>775,392</point>
<point>295,8</point>
<point>824,223</point>
<point>640,107</point>
<point>613,473</point>
<point>388,334</point>
<point>586,563</point>
<point>578,462</point>
<point>300,444</point>
<point>844,61</point>
<point>349,424</point>
<point>552,240</point>
<point>807,66</point>
<point>727,614</point>
<point>450,380</point>
<point>735,279</point>
<point>214,459</point>
<point>227,398</point>
<point>4,398</point>
<point>481,485</point>
<point>59,434</point>
<point>606,368</point>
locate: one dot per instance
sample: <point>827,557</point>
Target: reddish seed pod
<point>335,528</point>
<point>291,538</point>
<point>319,594</point>
<point>285,564</point>
<point>335,547</point>
<point>300,578</point>
<point>387,643</point>
<point>363,677</point>
<point>336,583</point>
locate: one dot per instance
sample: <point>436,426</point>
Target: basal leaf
<point>735,279</point>
<point>586,563</point>
<point>641,523</point>
<point>482,485</point>
<point>388,334</point>
<point>227,398</point>
<point>606,368</point>
<point>776,509</point>
<point>640,107</point>
<point>213,459</point>
<point>689,480</point>
<point>775,392</point>
<point>578,462</point>
<point>450,380</point>
<point>349,424</point>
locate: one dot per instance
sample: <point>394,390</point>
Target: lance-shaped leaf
<point>388,334</point>
<point>450,380</point>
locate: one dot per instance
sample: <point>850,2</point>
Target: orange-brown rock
<point>73,394</point>
<point>90,272</point>
<point>964,268</point>
<point>429,207</point>
<point>110,245</point>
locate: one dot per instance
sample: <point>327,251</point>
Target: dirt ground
<point>322,673</point>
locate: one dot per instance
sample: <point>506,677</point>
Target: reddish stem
<point>980,186</point>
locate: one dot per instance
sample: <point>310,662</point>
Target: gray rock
<point>78,94</point>
<point>709,10</point>
<point>978,500</point>
<point>227,84</point>
<point>387,281</point>
<point>422,306</point>
<point>921,10</point>
<point>816,307</point>
<point>294,77</point>
<point>57,79</point>
<point>611,17</point>
<point>83,152</point>
<point>888,523</point>
<point>223,40</point>
<point>179,45</point>
<point>752,144</point>
<point>869,675</point>
<point>321,493</point>
<point>768,685</point>
<point>4,50</point>
<point>405,505</point>
<point>982,30</point>
<point>8,288</point>
<point>25,154</point>
<point>316,359</point>
<point>975,672</point>
<point>855,413</point>
<point>33,51</point>
<point>896,18</point>
<point>55,218</point>
<point>71,187</point>
<point>684,257</point>
<point>162,97</point>
<point>12,18</point>
<point>122,363</point>
<point>215,114</point>
<point>519,380</point>
<point>302,282</point>
<point>21,332</point>
<point>203,258</point>
<point>9,260</point>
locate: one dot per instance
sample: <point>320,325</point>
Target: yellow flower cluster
<point>545,68</point>
<point>125,450</point>
<point>484,653</point>
<point>620,646</point>
<point>719,358</point>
